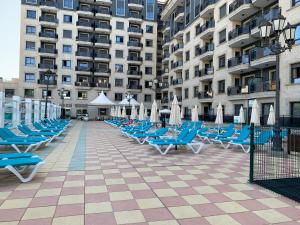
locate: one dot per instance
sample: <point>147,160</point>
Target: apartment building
<point>9,87</point>
<point>90,46</point>
<point>211,54</point>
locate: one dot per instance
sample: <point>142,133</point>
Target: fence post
<point>252,148</point>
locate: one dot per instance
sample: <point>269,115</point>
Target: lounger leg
<point>145,139</point>
<point>196,150</point>
<point>16,148</point>
<point>31,175</point>
<point>229,144</point>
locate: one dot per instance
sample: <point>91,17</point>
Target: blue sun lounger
<point>27,131</point>
<point>141,138</point>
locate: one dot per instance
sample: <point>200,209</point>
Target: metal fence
<point>278,171</point>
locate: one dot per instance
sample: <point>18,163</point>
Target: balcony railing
<point>166,55</point>
<point>238,3</point>
<point>178,46</point>
<point>48,19</point>
<point>84,54</point>
<point>48,50</point>
<point>205,49</point>
<point>204,72</point>
<point>258,53</point>
<point>82,84</point>
<point>165,85</point>
<point>137,2</point>
<point>84,38</point>
<point>177,81</point>
<point>101,84</point>
<point>102,55</point>
<point>266,16</point>
<point>48,34</point>
<point>84,23</point>
<point>83,68</point>
<point>135,87</point>
<point>102,70</point>
<point>45,82</point>
<point>251,88</point>
<point>135,15</point>
<point>177,64</point>
<point>48,3</point>
<point>164,100</point>
<point>47,66</point>
<point>179,10</point>
<point>134,58</point>
<point>102,40</point>
<point>134,44</point>
<point>103,26</point>
<point>105,11</point>
<point>235,61</point>
<point>239,31</point>
<point>205,94</point>
<point>135,30</point>
<point>208,24</point>
<point>207,3</point>
<point>85,9</point>
<point>134,72</point>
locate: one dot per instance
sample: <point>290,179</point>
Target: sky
<point>9,38</point>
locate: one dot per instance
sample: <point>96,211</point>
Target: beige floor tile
<point>54,179</point>
<point>69,220</point>
<point>165,222</point>
<point>118,196</point>
<point>205,190</point>
<point>16,203</point>
<point>222,220</point>
<point>153,179</point>
<point>48,192</point>
<point>195,172</point>
<point>10,223</point>
<point>144,169</point>
<point>184,212</point>
<point>39,213</point>
<point>149,203</point>
<point>165,192</point>
<point>164,173</point>
<point>28,186</point>
<point>111,171</point>
<point>242,187</point>
<point>236,196</point>
<point>177,184</point>
<point>4,195</point>
<point>272,216</point>
<point>98,207</point>
<point>76,183</point>
<point>71,199</point>
<point>95,189</point>
<point>187,177</point>
<point>126,217</point>
<point>273,203</point>
<point>76,172</point>
<point>218,175</point>
<point>114,181</point>
<point>195,199</point>
<point>130,174</point>
<point>94,177</point>
<point>231,207</point>
<point>137,187</point>
<point>212,181</point>
<point>174,168</point>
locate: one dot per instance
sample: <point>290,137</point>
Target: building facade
<point>90,46</point>
<point>212,54</point>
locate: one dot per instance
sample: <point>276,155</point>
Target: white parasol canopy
<point>123,115</point>
<point>153,115</point>
<point>112,112</point>
<point>146,113</point>
<point>241,116</point>
<point>255,114</point>
<point>141,112</point>
<point>125,102</point>
<point>182,113</point>
<point>195,116</point>
<point>219,118</point>
<point>271,118</point>
<point>175,117</point>
<point>133,113</point>
<point>165,111</point>
<point>101,100</point>
<point>119,112</point>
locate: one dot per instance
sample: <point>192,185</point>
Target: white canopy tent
<point>125,102</point>
<point>101,100</point>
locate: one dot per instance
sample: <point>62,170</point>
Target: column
<point>28,111</point>
<point>37,111</point>
<point>16,117</point>
<point>43,106</point>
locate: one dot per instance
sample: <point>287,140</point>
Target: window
<point>30,45</point>
<point>187,37</point>
<point>119,54</point>
<point>120,9</point>
<point>82,95</point>
<point>222,36</point>
<point>223,10</point>
<point>29,93</point>
<point>30,29</point>
<point>67,19</point>
<point>31,14</point>
<point>118,96</point>
<point>44,93</point>
<point>9,92</point>
<point>221,86</point>
<point>295,109</point>
<point>295,73</point>
<point>119,25</point>
<point>186,93</point>
<point>29,77</point>
<point>150,9</point>
<point>196,91</point>
<point>67,49</point>
<point>187,74</point>
<point>66,64</point>
<point>148,70</point>
<point>68,4</point>
<point>118,82</point>
<point>222,61</point>
<point>148,56</point>
<point>295,2</point>
<point>149,43</point>
<point>31,1</point>
<point>67,33</point>
<point>149,29</point>
<point>29,61</point>
<point>148,98</point>
<point>119,39</point>
<point>67,94</point>
<point>297,33</point>
<point>187,56</point>
<point>66,79</point>
<point>119,68</point>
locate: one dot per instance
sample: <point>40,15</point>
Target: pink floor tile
<point>185,191</point>
<point>47,221</point>
<point>44,201</point>
<point>93,198</point>
<point>252,205</point>
<point>194,221</point>
<point>247,218</point>
<point>124,205</point>
<point>95,219</point>
<point>69,210</point>
<point>74,177</point>
<point>72,191</point>
<point>47,185</point>
<point>11,214</point>
<point>22,194</point>
<point>291,212</point>
<point>94,182</point>
<point>121,187</point>
<point>143,194</point>
<point>158,214</point>
<point>216,197</point>
<point>173,201</point>
<point>208,209</point>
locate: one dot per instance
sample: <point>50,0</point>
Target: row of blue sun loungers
<point>28,139</point>
<point>227,137</point>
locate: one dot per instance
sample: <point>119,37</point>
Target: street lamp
<point>271,32</point>
<point>62,94</point>
<point>47,75</point>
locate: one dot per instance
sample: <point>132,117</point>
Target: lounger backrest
<point>23,129</point>
<point>6,133</point>
<point>264,136</point>
<point>245,132</point>
<point>161,131</point>
<point>190,136</point>
<point>182,134</point>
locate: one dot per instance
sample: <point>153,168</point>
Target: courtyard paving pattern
<point>96,176</point>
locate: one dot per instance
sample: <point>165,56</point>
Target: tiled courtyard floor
<point>96,176</point>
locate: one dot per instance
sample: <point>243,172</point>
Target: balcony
<point>49,5</point>
<point>102,71</point>
<point>239,10</point>
<point>207,8</point>
<point>84,40</point>
<point>178,81</point>
<point>134,87</point>
<point>134,73</point>
<point>85,69</point>
<point>134,45</point>
<point>166,42</point>
<point>205,95</point>
<point>104,2</point>
<point>207,30</point>
<point>165,100</point>
<point>165,85</point>
<point>102,42</point>
<point>179,33</point>
<point>165,72</point>
<point>135,17</point>
<point>85,11</point>
<point>82,84</point>
<point>166,27</point>
<point>135,4</point>
<point>166,58</point>
<point>262,58</point>
<point>48,51</point>
<point>205,74</point>
<point>135,59</point>
<point>49,36</point>
<point>262,3</point>
<point>47,66</point>
<point>103,27</point>
<point>102,57</point>
<point>239,65</point>
<point>101,84</point>
<point>206,52</point>
<point>135,31</point>
<point>84,55</point>
<point>103,13</point>
<point>178,49</point>
<point>84,25</point>
<point>177,66</point>
<point>43,81</point>
<point>179,14</point>
<point>240,37</point>
<point>48,20</point>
